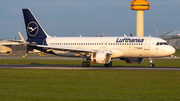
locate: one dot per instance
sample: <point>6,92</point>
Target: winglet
<point>24,41</point>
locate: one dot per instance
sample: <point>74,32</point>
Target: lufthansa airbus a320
<point>99,50</point>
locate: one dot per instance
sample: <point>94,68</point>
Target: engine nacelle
<point>132,60</point>
<point>100,58</point>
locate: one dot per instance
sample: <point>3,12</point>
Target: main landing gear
<point>86,64</point>
<point>108,65</point>
<point>152,65</point>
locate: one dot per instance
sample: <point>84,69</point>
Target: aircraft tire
<point>151,65</point>
<point>84,64</point>
<point>88,64</point>
<point>108,65</point>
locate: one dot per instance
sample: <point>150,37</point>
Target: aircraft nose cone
<point>171,50</point>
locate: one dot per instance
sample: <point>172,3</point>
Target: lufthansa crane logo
<point>32,28</point>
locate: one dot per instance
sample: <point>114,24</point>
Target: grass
<point>177,53</point>
<point>88,85</point>
<point>158,62</point>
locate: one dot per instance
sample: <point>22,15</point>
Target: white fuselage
<point>139,47</point>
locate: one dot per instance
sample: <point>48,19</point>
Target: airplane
<point>99,50</point>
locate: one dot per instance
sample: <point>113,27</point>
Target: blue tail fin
<point>33,28</point>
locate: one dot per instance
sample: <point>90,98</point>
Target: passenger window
<point>157,43</point>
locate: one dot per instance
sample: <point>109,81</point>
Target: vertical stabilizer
<point>33,28</point>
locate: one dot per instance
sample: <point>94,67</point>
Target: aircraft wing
<point>20,41</point>
<point>71,49</point>
<point>13,40</point>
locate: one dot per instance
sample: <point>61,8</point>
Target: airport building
<point>7,46</point>
<point>173,38</point>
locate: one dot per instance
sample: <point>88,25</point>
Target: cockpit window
<point>157,43</point>
<point>161,43</point>
<point>165,43</point>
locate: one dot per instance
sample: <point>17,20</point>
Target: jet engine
<point>132,60</point>
<point>100,58</point>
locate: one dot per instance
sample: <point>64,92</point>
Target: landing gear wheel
<point>85,63</point>
<point>108,65</point>
<point>152,65</point>
<point>88,64</point>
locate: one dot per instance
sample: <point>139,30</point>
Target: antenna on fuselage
<point>131,34</point>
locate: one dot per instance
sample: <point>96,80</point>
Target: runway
<point>62,67</point>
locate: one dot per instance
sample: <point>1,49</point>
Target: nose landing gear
<point>151,65</point>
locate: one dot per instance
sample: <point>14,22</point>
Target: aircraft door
<point>147,44</point>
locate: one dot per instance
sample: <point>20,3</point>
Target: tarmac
<point>68,67</point>
<point>65,67</point>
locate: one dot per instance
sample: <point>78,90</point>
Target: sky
<point>91,17</point>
